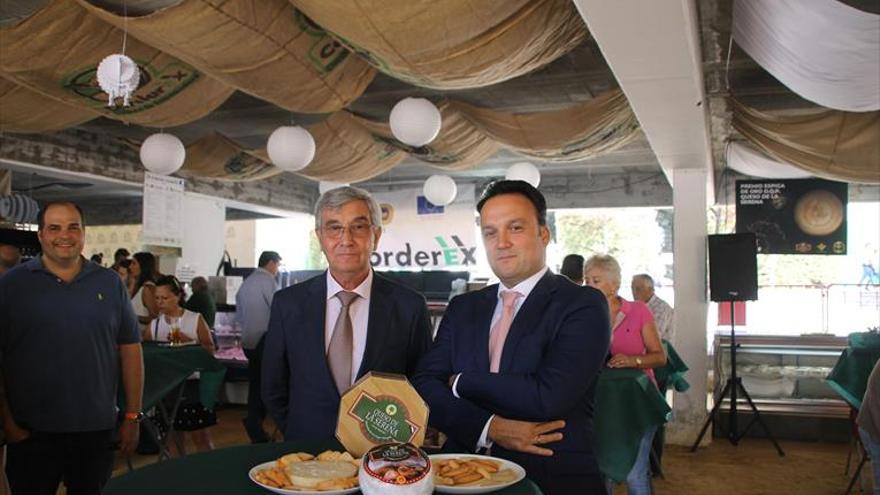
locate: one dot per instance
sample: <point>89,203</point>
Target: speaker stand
<point>734,386</point>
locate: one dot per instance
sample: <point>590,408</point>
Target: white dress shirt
<point>525,288</point>
<point>359,311</point>
<point>662,312</point>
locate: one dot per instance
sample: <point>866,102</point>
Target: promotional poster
<point>418,235</point>
<point>793,216</point>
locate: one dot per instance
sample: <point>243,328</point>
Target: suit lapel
<point>483,322</point>
<point>528,317</point>
<point>378,327</point>
<point>315,311</point>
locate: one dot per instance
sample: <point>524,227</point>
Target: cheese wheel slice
<point>308,474</point>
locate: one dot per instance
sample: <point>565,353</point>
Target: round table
<point>226,471</point>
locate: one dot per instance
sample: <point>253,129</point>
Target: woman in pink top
<point>635,343</point>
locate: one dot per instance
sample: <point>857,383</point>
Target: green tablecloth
<point>165,368</point>
<point>672,375</point>
<point>226,471</point>
<point>627,404</point>
<point>849,378</point>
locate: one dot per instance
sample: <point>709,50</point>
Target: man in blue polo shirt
<point>67,334</point>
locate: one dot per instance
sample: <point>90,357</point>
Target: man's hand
<point>129,433</point>
<point>15,433</point>
<point>525,436</point>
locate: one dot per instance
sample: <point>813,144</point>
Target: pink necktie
<point>498,333</point>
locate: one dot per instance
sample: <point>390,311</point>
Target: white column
<point>689,195</point>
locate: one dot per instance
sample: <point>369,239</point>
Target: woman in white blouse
<point>181,326</point>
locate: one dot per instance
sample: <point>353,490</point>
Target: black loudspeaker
<point>733,267</point>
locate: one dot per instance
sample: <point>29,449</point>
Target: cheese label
<point>383,419</point>
<point>397,464</point>
<point>380,408</point>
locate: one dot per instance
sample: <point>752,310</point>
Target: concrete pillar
<point>689,196</point>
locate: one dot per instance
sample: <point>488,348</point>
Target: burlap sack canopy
<point>313,56</point>
<point>832,144</point>
<point>352,148</point>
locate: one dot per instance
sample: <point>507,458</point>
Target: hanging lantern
<point>440,190</point>
<point>119,77</point>
<point>524,171</point>
<point>415,121</point>
<point>291,148</point>
<point>18,208</point>
<point>326,185</point>
<point>162,153</point>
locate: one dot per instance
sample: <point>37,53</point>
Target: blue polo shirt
<point>58,346</point>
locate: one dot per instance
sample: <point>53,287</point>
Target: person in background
<point>515,365</point>
<point>201,301</point>
<point>642,286</point>
<point>253,303</point>
<point>120,255</point>
<point>121,269</point>
<point>869,423</point>
<point>635,343</point>
<point>69,340</point>
<point>643,290</point>
<point>327,332</point>
<point>9,257</point>
<point>573,268</point>
<point>178,325</point>
<point>142,270</point>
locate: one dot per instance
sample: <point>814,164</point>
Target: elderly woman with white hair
<point>635,343</point>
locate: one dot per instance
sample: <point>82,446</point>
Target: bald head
<point>9,257</point>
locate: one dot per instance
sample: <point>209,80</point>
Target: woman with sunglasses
<point>181,326</point>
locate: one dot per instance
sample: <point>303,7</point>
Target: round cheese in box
<point>396,468</point>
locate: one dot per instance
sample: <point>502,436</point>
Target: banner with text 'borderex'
<point>420,235</point>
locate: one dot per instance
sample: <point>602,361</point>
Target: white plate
<point>282,491</point>
<point>505,464</point>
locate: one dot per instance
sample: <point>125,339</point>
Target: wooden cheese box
<point>381,408</point>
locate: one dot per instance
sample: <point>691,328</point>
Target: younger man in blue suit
<point>514,366</point>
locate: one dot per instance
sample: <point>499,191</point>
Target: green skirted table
<point>849,378</point>
<point>226,471</point>
<point>166,368</point>
<point>627,405</point>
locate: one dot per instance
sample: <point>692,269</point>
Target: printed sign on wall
<point>795,216</point>
<point>163,210</point>
<point>420,235</point>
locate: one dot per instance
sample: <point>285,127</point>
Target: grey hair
<point>336,198</point>
<point>646,278</point>
<point>606,263</point>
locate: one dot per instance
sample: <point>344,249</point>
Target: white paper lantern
<point>440,189</point>
<point>162,153</point>
<point>415,121</point>
<point>119,77</point>
<point>326,185</point>
<point>524,171</point>
<point>291,148</point>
